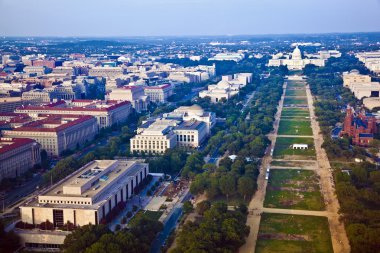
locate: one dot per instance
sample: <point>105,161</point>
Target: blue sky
<point>185,17</point>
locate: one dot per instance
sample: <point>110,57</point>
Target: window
<point>58,218</point>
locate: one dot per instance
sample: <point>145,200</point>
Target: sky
<point>185,17</point>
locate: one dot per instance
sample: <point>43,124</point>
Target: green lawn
<point>293,234</point>
<point>295,84</point>
<point>295,101</point>
<point>283,148</point>
<point>301,92</point>
<point>294,127</point>
<point>295,112</point>
<point>294,189</point>
<point>148,214</point>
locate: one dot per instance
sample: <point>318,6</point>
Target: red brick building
<point>44,63</point>
<point>360,126</point>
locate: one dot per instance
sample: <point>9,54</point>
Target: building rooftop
<point>78,105</point>
<point>191,125</point>
<point>53,123</point>
<point>92,184</point>
<point>8,144</point>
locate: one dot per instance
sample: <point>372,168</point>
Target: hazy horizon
<point>176,18</point>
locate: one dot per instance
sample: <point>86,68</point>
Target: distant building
<point>360,126</point>
<point>109,72</point>
<point>132,93</point>
<point>36,97</point>
<point>295,61</point>
<point>9,104</point>
<point>371,60</point>
<point>362,90</point>
<point>228,87</point>
<point>57,133</point>
<point>64,92</point>
<point>43,63</point>
<point>354,77</point>
<point>68,71</point>
<point>227,57</point>
<point>35,70</point>
<point>159,93</point>
<point>87,196</point>
<point>17,155</point>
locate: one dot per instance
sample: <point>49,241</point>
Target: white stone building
<point>159,93</point>
<point>57,133</point>
<point>17,155</point>
<point>295,61</point>
<point>87,196</point>
<point>132,93</point>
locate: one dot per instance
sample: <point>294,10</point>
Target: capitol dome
<point>296,55</point>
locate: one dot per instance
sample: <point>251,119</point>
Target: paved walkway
<point>338,233</point>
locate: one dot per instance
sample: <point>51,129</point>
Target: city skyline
<point>117,18</point>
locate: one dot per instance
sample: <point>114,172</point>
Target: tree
<point>246,186</point>
<point>227,185</point>
<point>220,230</point>
<point>203,206</point>
<point>187,207</point>
<point>83,237</point>
<point>9,241</point>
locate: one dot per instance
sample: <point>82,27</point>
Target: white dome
<point>224,84</point>
<point>296,55</point>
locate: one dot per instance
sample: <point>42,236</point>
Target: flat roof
<point>114,169</point>
<point>53,123</point>
<point>190,125</point>
<point>9,144</point>
<point>103,172</point>
<point>106,106</point>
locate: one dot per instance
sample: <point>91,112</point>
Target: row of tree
<point>218,230</point>
<point>357,185</point>
<point>99,239</point>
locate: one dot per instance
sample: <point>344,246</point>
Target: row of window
<point>65,202</point>
<point>185,138</point>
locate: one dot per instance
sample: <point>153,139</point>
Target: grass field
<point>295,112</point>
<point>148,214</point>
<point>293,234</point>
<point>295,100</point>
<point>295,127</point>
<point>283,148</point>
<point>295,92</point>
<point>294,189</point>
<point>292,84</point>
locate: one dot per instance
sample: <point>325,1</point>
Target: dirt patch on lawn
<point>284,237</point>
